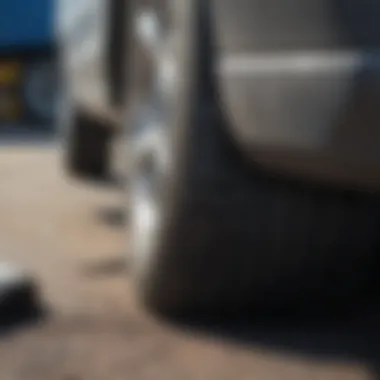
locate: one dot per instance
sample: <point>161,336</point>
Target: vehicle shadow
<point>112,266</point>
<point>9,137</point>
<point>107,182</point>
<point>113,216</point>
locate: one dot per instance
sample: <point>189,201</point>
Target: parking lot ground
<point>73,238</point>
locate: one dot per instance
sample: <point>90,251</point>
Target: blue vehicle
<point>27,61</point>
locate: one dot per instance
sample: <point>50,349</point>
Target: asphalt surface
<point>73,238</point>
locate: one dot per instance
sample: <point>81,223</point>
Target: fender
<point>299,85</point>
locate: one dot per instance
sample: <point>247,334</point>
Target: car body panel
<point>299,84</point>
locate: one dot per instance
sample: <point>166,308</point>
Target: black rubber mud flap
<point>88,148</point>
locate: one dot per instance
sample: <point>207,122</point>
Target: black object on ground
<point>19,299</point>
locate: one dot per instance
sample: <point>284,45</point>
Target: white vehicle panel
<point>82,31</point>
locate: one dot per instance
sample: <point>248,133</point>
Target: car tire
<point>229,236</point>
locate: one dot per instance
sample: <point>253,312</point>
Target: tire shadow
<point>113,216</point>
<point>117,265</point>
<point>107,182</point>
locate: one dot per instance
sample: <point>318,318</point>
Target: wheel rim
<point>150,137</point>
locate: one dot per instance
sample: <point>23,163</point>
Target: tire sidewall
<point>154,276</point>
